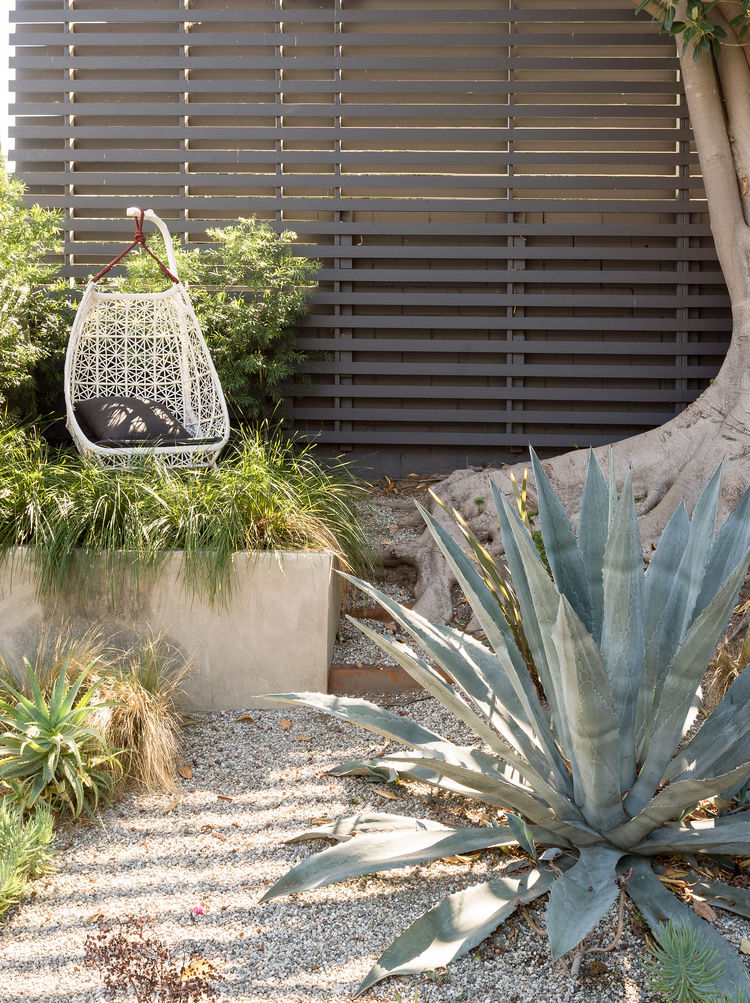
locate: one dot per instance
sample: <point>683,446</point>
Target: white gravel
<point>222,855</point>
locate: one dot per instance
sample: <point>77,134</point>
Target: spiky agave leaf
<point>457,924</point>
<point>620,656</point>
<point>380,851</point>
<point>581,898</point>
<point>345,828</point>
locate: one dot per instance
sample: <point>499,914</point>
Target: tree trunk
<point>672,462</point>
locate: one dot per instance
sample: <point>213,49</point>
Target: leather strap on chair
<point>138,239</point>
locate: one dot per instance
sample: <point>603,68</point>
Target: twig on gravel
<point>532,923</point>
<point>618,932</point>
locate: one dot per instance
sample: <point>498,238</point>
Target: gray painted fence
<point>504,197</point>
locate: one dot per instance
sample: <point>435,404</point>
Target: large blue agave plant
<point>600,769</point>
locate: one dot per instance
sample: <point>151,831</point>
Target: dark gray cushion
<point>130,421</point>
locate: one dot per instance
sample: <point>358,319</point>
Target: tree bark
<point>672,462</point>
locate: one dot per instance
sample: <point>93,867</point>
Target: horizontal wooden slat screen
<point>504,196</point>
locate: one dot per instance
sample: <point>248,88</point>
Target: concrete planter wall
<point>275,634</point>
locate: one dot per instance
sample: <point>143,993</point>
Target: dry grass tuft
<point>143,717</point>
<point>731,657</point>
<point>138,696</point>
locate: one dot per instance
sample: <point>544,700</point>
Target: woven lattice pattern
<point>150,346</point>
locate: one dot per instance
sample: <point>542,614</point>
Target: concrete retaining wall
<point>274,634</point>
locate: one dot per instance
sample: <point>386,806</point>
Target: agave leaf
<point>692,568</point>
<point>661,628</point>
<point>480,597</point>
<point>480,778</point>
<point>436,685</point>
<point>367,715</point>
<point>371,768</point>
<point>740,751</point>
<point>732,539</point>
<point>477,670</point>
<point>612,485</point>
<point>671,801</point>
<point>554,832</point>
<point>723,835</point>
<point>622,643</point>
<point>343,829</point>
<point>657,904</point>
<point>522,833</point>
<point>581,898</point>
<point>539,600</point>
<point>683,679</point>
<point>592,717</point>
<point>685,586</point>
<point>484,604</point>
<point>726,726</point>
<point>563,553</point>
<point>736,900</point>
<point>382,851</point>
<point>456,925</point>
<point>593,529</point>
<point>415,768</point>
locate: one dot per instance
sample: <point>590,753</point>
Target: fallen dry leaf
<point>185,771</point>
<point>463,858</point>
<point>245,717</point>
<point>704,910</point>
<point>170,807</point>
<point>96,916</point>
<point>745,946</point>
<point>285,723</point>
<point>303,738</point>
<point>675,872</point>
<point>198,968</point>
<point>385,793</point>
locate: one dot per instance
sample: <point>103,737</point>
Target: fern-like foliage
<point>685,969</point>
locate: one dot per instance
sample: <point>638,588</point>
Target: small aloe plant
<point>48,752</point>
<point>598,771</point>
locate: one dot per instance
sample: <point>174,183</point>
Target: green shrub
<point>25,849</point>
<point>30,237</point>
<point>248,291</point>
<point>266,495</point>
<point>599,773</point>
<point>49,752</point>
<point>684,969</point>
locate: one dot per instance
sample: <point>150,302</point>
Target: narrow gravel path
<point>149,857</point>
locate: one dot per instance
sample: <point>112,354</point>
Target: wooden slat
<point>511,221</point>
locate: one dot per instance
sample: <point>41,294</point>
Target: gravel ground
<point>255,784</point>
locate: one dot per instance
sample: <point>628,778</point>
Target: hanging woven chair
<point>138,375</point>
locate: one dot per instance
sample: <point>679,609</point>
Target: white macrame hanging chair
<point>139,379</point>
